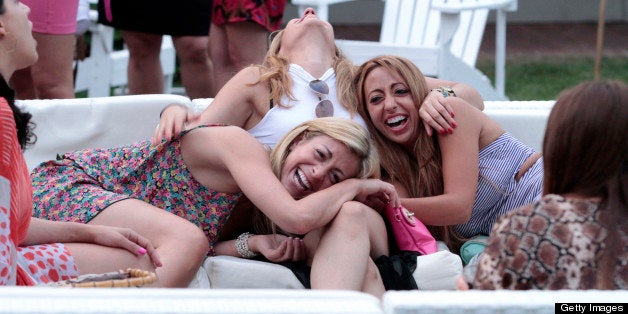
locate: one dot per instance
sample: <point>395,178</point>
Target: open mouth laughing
<point>301,180</point>
<point>396,121</point>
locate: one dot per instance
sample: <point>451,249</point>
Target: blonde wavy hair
<point>355,137</point>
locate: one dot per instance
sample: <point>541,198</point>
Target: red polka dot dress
<point>23,265</point>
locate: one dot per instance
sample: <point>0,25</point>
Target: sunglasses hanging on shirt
<point>324,108</point>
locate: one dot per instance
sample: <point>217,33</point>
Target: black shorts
<point>396,270</point>
<point>178,18</point>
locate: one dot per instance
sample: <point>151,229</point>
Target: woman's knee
<point>189,237</point>
<point>356,213</point>
<point>351,220</point>
<point>353,210</point>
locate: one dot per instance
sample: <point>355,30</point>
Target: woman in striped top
<point>461,182</point>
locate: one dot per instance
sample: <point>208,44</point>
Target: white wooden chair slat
<point>431,24</point>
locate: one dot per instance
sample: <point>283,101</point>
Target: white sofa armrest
<point>490,301</point>
<point>197,301</point>
<point>64,125</point>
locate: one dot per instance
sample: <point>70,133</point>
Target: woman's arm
<point>435,111</point>
<point>42,231</point>
<point>275,247</point>
<point>460,172</point>
<point>233,105</point>
<point>461,90</point>
<point>243,164</point>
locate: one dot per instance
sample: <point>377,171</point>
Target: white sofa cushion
<point>232,272</point>
<point>525,120</point>
<point>437,271</point>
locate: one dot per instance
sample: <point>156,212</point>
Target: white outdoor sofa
<point>233,285</point>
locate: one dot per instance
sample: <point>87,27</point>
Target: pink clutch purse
<point>410,233</point>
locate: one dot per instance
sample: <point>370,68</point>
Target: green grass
<point>544,79</point>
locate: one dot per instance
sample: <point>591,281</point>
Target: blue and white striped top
<point>498,192</point>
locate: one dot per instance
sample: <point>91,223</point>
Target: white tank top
<point>279,120</point>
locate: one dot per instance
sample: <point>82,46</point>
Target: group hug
<point>295,161</point>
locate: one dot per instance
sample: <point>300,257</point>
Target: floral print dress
<point>79,185</point>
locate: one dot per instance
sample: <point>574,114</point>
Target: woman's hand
<point>277,247</point>
<point>47,231</point>
<point>437,114</point>
<point>377,194</point>
<point>173,120</point>
<point>124,238</point>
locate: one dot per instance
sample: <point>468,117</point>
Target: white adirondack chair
<point>442,37</point>
<point>106,68</point>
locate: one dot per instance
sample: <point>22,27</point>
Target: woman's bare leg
<point>233,46</point>
<point>181,245</point>
<point>52,75</point>
<point>197,71</point>
<point>343,257</point>
<point>373,283</point>
<point>145,75</point>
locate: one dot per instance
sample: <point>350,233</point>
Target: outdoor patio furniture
<point>442,37</point>
<point>69,124</point>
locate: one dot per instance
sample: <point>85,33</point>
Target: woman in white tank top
<point>271,98</point>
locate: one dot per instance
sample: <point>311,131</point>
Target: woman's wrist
<point>170,106</point>
<point>446,91</point>
<point>242,245</point>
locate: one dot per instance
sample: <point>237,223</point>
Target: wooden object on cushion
<point>119,279</point>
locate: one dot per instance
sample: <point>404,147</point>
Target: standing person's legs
<point>52,74</point>
<point>218,55</point>
<point>195,66</point>
<point>145,75</point>
<point>181,245</point>
<point>245,45</point>
<point>54,25</point>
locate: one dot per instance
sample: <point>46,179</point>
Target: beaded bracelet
<point>242,245</point>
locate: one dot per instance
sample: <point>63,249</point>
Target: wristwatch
<point>446,91</point>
